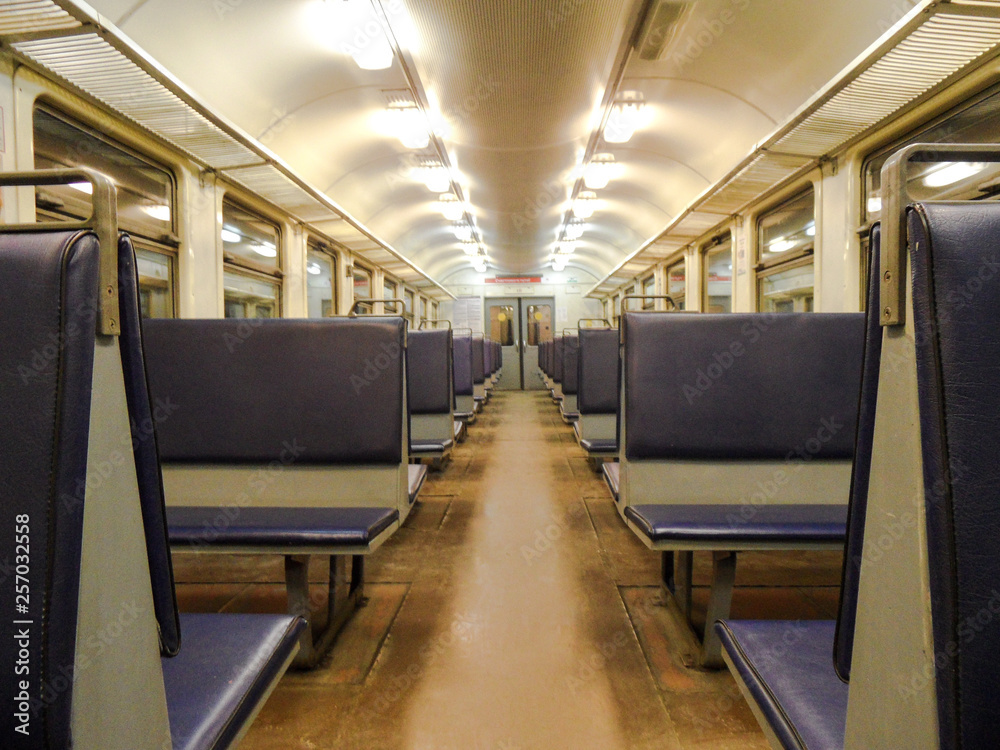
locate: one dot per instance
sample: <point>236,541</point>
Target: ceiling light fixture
<point>574,230</point>
<point>566,247</point>
<point>598,173</point>
<point>451,207</point>
<point>360,33</point>
<point>625,117</point>
<point>559,264</point>
<point>479,264</point>
<point>463,232</point>
<point>228,235</point>
<point>314,269</point>
<point>435,176</point>
<point>470,247</point>
<point>585,205</point>
<point>410,125</point>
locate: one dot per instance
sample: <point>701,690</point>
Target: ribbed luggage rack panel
<point>941,47</point>
<point>267,180</point>
<point>95,67</point>
<point>33,16</point>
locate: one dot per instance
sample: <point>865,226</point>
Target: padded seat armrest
<point>611,474</point>
<point>417,475</point>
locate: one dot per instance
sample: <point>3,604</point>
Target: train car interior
<point>499,375</point>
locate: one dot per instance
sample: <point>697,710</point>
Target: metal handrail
<point>103,221</point>
<point>627,297</point>
<point>401,303</point>
<point>434,323</point>
<point>895,199</point>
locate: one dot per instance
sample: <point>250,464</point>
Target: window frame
<point>791,259</point>
<point>248,269</point>
<point>715,246</point>
<point>317,246</point>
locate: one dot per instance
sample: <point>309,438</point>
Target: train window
<point>145,199</point>
<point>434,311</point>
<point>539,324</point>
<point>502,324</point>
<point>717,287</point>
<point>785,241</point>
<point>676,284</point>
<point>248,239</point>
<point>616,309</point>
<point>362,282</point>
<point>388,289</point>
<point>974,121</point>
<point>632,304</point>
<point>321,281</point>
<point>649,288</point>
<point>250,295</point>
<point>423,308</point>
<point>408,305</point>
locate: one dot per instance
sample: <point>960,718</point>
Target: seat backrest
<point>145,417</point>
<point>598,365</point>
<point>331,391</point>
<point>487,358</point>
<point>429,371</point>
<point>478,372</point>
<point>48,308</point>
<point>956,306</point>
<point>861,470</point>
<point>571,350</point>
<point>462,360</point>
<point>741,386</point>
<point>557,359</point>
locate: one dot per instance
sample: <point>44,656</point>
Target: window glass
<point>248,239</point>
<point>632,304</point>
<point>502,324</point>
<point>249,296</point>
<point>145,199</point>
<point>434,311</point>
<point>320,275</point>
<point>616,309</point>
<point>408,303</point>
<point>675,284</point>
<point>145,190</point>
<point>389,289</point>
<point>362,283</point>
<point>718,286</point>
<point>787,230</point>
<point>156,299</point>
<point>423,308</point>
<point>539,324</point>
<point>789,290</point>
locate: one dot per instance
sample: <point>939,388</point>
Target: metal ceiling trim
<point>86,51</point>
<point>909,60</point>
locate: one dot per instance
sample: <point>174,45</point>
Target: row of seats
<point>830,431</point>
<point>477,365</point>
<point>288,437</point>
<point>99,656</point>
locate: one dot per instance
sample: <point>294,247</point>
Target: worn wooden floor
<point>513,611</point>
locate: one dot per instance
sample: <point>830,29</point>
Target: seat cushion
<point>611,473</point>
<point>278,527</point>
<point>227,666</point>
<point>599,445</point>
<point>417,475</point>
<point>787,668</point>
<point>430,446</point>
<point>741,523</point>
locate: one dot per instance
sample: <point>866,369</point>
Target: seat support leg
<point>719,603</point>
<point>345,592</point>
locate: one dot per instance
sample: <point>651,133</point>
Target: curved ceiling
<point>517,92</point>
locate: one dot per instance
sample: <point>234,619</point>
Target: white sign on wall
<point>467,312</point>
